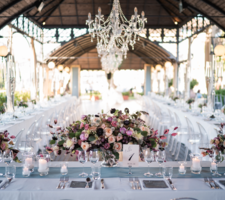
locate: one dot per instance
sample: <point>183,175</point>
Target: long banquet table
<point>117,185</point>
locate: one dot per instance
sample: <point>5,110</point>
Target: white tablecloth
<point>15,128</point>
<point>116,189</point>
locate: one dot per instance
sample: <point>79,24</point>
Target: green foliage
<point>193,83</point>
<point>52,142</point>
<point>220,92</point>
<point>117,155</point>
<point>144,133</point>
<point>140,93</point>
<point>91,138</point>
<point>170,83</point>
<point>126,93</point>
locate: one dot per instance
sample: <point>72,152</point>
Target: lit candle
<point>196,163</point>
<point>28,163</point>
<point>64,169</point>
<point>43,165</point>
<point>182,168</point>
<point>26,171</point>
<point>213,166</point>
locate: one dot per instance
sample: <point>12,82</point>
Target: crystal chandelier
<point>116,28</point>
<point>111,62</point>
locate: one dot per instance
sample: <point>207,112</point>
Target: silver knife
<point>171,184</point>
<point>102,184</point>
<point>137,183</point>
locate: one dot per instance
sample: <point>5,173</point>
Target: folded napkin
<point>154,185</point>
<point>79,185</point>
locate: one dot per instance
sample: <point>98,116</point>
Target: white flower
<point>137,136</point>
<point>130,143</point>
<point>55,149</point>
<point>69,143</point>
<point>96,120</point>
<point>85,146</point>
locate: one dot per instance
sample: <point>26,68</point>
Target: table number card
<point>130,155</point>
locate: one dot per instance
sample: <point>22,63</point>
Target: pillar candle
<point>196,163</point>
<point>181,168</point>
<point>64,169</point>
<point>43,165</point>
<point>26,171</point>
<point>213,166</point>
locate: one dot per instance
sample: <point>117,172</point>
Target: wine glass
<point>216,158</point>
<point>10,171</point>
<point>82,157</point>
<point>148,159</point>
<point>160,158</point>
<point>94,156</point>
<point>7,157</point>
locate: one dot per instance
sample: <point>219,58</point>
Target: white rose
<point>69,143</point>
<point>85,146</point>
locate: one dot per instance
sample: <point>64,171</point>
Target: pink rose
<point>103,126</point>
<point>119,137</point>
<point>86,126</point>
<point>108,132</point>
<point>111,139</point>
<point>118,146</point>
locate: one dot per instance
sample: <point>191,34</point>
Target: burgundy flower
<point>166,131</point>
<point>106,146</point>
<point>114,123</point>
<point>175,128</point>
<point>12,137</point>
<point>174,134</point>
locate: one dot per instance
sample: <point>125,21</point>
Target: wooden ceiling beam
<point>9,5</point>
<point>214,6</point>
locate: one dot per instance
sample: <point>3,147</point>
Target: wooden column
<point>75,79</point>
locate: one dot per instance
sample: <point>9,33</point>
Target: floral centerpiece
<point>108,133</point>
<point>6,144</point>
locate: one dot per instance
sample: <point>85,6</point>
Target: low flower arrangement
<point>108,133</point>
<point>6,144</point>
<point>218,145</point>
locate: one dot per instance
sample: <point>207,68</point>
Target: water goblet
<point>167,172</point>
<point>94,156</point>
<point>7,157</point>
<point>160,158</point>
<point>216,158</point>
<point>10,171</point>
<point>96,172</point>
<point>82,157</point>
<point>148,159</point>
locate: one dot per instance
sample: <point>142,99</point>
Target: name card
<point>130,155</point>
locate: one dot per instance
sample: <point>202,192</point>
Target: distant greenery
<point>220,92</point>
<point>170,83</point>
<point>126,93</point>
<point>193,83</point>
<point>140,93</point>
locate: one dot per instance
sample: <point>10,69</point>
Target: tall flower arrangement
<point>108,133</point>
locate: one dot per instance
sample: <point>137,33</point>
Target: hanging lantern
<point>60,67</point>
<point>51,65</point>
<point>67,69</point>
<point>3,51</point>
<point>168,64</point>
<point>219,50</point>
<point>158,67</point>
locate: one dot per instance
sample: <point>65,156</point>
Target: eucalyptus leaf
<point>52,142</point>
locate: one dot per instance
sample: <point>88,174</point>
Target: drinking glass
<point>82,157</point>
<point>148,159</point>
<point>217,158</point>
<point>96,172</point>
<point>167,172</point>
<point>10,171</point>
<point>0,155</point>
<point>7,157</point>
<point>160,158</point>
<point>94,156</point>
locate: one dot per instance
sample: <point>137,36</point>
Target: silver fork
<point>61,180</point>
<point>216,185</point>
<point>132,183</point>
<point>207,181</point>
<point>65,182</point>
<point>137,183</point>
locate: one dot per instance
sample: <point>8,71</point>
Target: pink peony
<point>129,132</point>
<point>86,126</point>
<point>81,125</point>
<point>108,132</point>
<point>166,131</point>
